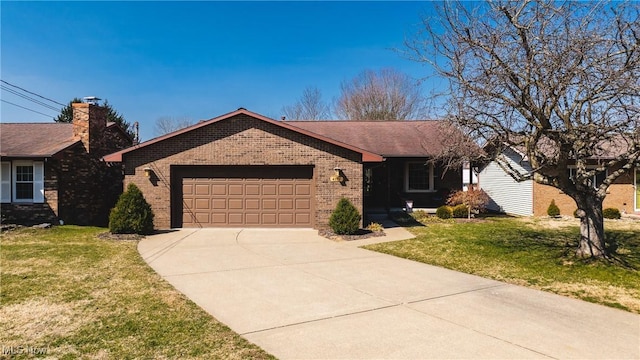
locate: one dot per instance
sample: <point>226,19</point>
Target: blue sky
<point>196,59</point>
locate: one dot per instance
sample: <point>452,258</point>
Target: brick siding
<point>620,196</point>
<point>244,140</point>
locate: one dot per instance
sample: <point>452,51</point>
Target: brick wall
<point>244,140</point>
<point>620,196</point>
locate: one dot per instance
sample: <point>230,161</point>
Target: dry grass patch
<point>79,296</point>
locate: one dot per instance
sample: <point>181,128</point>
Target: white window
<point>597,179</point>
<point>418,177</point>
<point>27,181</point>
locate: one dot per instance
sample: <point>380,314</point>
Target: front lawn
<point>534,253</point>
<point>67,294</point>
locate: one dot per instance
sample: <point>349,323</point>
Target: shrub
<point>477,199</point>
<point>132,214</point>
<point>553,210</point>
<point>375,227</point>
<point>345,219</point>
<point>460,211</point>
<point>444,212</point>
<point>611,213</point>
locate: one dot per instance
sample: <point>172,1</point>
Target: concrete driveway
<point>301,296</point>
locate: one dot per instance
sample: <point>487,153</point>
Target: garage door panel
<point>303,204</point>
<point>236,203</point>
<point>285,189</point>
<point>268,196</point>
<point>269,204</point>
<point>303,189</point>
<point>219,189</point>
<point>252,189</point>
<point>252,204</point>
<point>285,204</point>
<point>202,189</point>
<point>202,217</point>
<point>202,204</point>
<point>252,218</point>
<point>269,219</point>
<point>236,218</point>
<point>219,218</point>
<point>219,204</point>
<point>269,189</point>
<point>303,218</point>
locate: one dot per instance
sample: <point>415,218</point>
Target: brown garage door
<point>257,196</point>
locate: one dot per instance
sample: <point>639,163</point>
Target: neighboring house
<point>528,198</point>
<point>53,171</point>
<point>244,169</point>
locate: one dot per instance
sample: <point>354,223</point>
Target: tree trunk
<point>592,242</point>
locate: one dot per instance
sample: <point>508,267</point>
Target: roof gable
<point>367,156</point>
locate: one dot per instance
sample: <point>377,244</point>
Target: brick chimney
<point>89,124</point>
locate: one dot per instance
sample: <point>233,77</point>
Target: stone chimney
<point>89,124</point>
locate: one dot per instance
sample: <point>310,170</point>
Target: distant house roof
<point>387,138</point>
<point>367,155</point>
<point>35,139</point>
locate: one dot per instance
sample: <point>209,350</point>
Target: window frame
<point>37,182</point>
<point>430,178</point>
<point>594,181</point>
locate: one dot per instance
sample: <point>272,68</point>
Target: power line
<point>32,93</point>
<point>27,97</point>
<point>20,106</point>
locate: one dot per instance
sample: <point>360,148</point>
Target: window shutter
<point>38,182</point>
<point>5,182</point>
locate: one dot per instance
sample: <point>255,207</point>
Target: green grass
<point>534,254</point>
<point>78,296</point>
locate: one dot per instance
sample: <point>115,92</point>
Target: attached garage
<point>244,170</point>
<point>244,196</point>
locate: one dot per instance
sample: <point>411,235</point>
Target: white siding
<point>507,195</point>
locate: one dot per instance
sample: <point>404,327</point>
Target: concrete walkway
<point>301,296</point>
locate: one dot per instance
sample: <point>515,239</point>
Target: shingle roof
<point>387,138</point>
<point>367,155</point>
<point>35,139</point>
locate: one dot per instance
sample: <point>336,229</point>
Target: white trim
<point>5,182</point>
<point>406,178</point>
<point>38,181</point>
<point>589,167</point>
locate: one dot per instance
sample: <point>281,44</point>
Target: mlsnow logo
<point>19,350</point>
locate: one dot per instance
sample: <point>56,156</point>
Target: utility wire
<point>32,93</point>
<point>37,112</point>
<point>48,106</point>
<point>27,97</point>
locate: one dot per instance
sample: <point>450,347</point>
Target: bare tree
<point>558,80</point>
<point>383,95</point>
<point>167,124</point>
<point>309,107</point>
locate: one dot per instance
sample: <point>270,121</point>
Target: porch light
<point>147,171</point>
<point>337,175</point>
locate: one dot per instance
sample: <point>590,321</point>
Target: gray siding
<point>507,195</point>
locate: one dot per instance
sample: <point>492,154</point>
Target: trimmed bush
<point>460,211</point>
<point>345,219</point>
<point>611,213</point>
<point>132,213</point>
<point>553,210</point>
<point>444,212</point>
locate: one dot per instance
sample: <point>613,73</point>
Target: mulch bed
<point>361,234</point>
<point>111,236</point>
